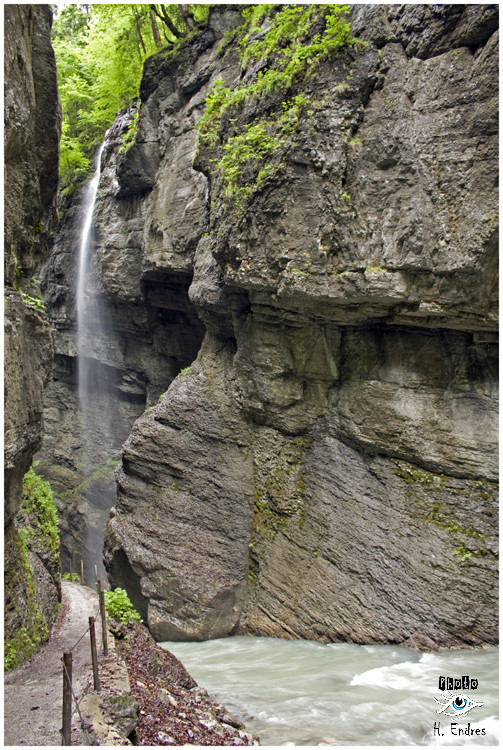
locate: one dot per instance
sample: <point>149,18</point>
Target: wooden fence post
<point>103,623</point>
<point>67,698</point>
<point>94,654</point>
<point>82,572</point>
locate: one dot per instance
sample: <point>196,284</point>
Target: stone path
<point>33,693</point>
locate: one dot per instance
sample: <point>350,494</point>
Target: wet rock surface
<point>32,119</point>
<point>325,468</point>
<point>31,176</point>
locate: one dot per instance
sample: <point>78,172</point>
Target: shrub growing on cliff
<point>119,605</point>
<point>42,516</point>
<point>289,41</point>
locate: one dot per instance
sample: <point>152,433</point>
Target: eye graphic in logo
<point>459,704</point>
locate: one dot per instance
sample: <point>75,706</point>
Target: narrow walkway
<point>33,693</point>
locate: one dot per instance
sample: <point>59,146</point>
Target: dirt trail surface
<point>33,693</point>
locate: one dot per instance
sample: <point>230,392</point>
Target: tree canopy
<point>100,51</point>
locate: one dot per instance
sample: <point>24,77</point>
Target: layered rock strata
<point>32,131</point>
<point>143,332</point>
<point>326,467</point>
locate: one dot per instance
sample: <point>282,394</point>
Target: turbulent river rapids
<point>307,693</point>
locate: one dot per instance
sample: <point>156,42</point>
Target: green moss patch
<point>444,502</point>
<point>23,642</point>
<point>289,42</point>
<point>39,508</point>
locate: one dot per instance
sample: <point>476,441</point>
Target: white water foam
<point>308,693</point>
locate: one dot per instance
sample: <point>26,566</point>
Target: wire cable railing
<point>69,697</point>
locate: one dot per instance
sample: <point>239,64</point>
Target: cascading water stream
<point>83,292</point>
<point>93,386</point>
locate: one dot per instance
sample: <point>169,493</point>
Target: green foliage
<point>39,507</point>
<point>75,76</point>
<point>256,145</point>
<point>30,299</point>
<point>25,640</point>
<point>129,137</point>
<point>100,50</point>
<point>290,40</point>
<point>40,532</point>
<point>36,304</point>
<point>288,59</point>
<point>73,577</point>
<point>119,605</point>
<point>19,647</point>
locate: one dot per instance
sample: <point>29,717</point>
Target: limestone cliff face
<point>144,330</point>
<point>325,468</point>
<point>32,131</point>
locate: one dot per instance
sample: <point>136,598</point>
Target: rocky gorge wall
<point>32,118</point>
<point>325,467</point>
<point>143,332</point>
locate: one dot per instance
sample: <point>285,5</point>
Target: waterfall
<point>95,379</point>
<point>84,270</point>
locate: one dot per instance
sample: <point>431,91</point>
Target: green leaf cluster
<point>100,50</point>
<point>39,507</point>
<point>22,645</point>
<point>119,605</point>
<point>289,41</point>
<point>38,531</point>
<point>36,304</point>
<point>289,35</point>
<point>255,148</point>
<point>25,640</point>
<point>30,298</point>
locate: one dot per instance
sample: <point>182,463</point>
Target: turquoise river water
<point>307,693</point>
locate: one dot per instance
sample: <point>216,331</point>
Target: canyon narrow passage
<point>33,693</point>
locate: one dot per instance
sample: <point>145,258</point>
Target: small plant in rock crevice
<point>118,605</point>
<point>34,303</point>
<point>129,137</point>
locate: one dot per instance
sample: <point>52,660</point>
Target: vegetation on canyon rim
<point>100,51</point>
